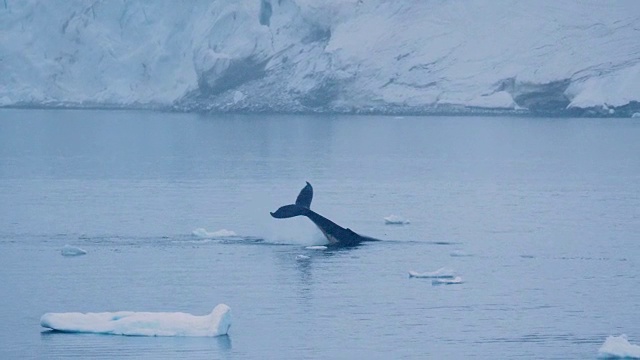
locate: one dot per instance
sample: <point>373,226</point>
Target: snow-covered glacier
<point>354,56</point>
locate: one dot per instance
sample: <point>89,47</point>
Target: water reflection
<point>224,342</point>
<point>304,284</point>
<point>106,346</point>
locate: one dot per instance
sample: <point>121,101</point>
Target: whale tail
<point>289,211</point>
<point>303,203</point>
<point>335,234</point>
<point>305,196</point>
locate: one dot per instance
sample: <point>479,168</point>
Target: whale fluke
<point>305,196</point>
<point>289,211</point>
<point>337,235</point>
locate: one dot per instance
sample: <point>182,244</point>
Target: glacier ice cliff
<point>353,56</point>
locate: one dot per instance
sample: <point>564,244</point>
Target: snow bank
<point>442,273</point>
<point>618,347</point>
<point>141,323</point>
<point>69,250</point>
<point>395,220</point>
<point>204,234</point>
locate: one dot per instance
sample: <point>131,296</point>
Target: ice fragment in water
<point>69,250</point>
<point>442,273</point>
<point>618,347</point>
<point>141,323</point>
<point>395,220</point>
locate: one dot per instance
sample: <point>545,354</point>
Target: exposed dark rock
<point>322,94</point>
<point>317,34</point>
<point>238,72</point>
<point>542,97</point>
<point>265,12</point>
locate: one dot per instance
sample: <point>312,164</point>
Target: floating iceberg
<point>395,220</point>
<point>618,347</point>
<point>141,323</point>
<point>69,250</point>
<point>442,273</point>
<point>316,247</point>
<point>455,280</point>
<point>203,233</point>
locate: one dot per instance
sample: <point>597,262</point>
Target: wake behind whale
<point>335,234</point>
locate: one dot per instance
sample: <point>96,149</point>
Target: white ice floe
<point>618,347</point>
<point>69,250</point>
<point>302,257</point>
<point>395,220</point>
<point>316,247</point>
<point>442,273</point>
<point>455,280</point>
<point>142,323</point>
<point>203,233</point>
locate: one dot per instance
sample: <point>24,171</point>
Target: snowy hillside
<point>335,55</point>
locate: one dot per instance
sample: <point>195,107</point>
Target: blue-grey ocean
<point>539,217</point>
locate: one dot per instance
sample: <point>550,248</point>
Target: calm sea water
<point>540,218</point>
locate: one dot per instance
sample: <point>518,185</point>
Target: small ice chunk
<point>636,115</point>
<point>203,233</point>
<point>459,253</point>
<point>69,250</point>
<point>302,257</point>
<point>395,220</point>
<point>618,347</point>
<point>141,323</point>
<point>316,247</point>
<point>455,280</point>
<point>442,273</point>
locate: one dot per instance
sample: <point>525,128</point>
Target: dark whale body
<point>336,234</point>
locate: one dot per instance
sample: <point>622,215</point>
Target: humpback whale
<point>335,234</point>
